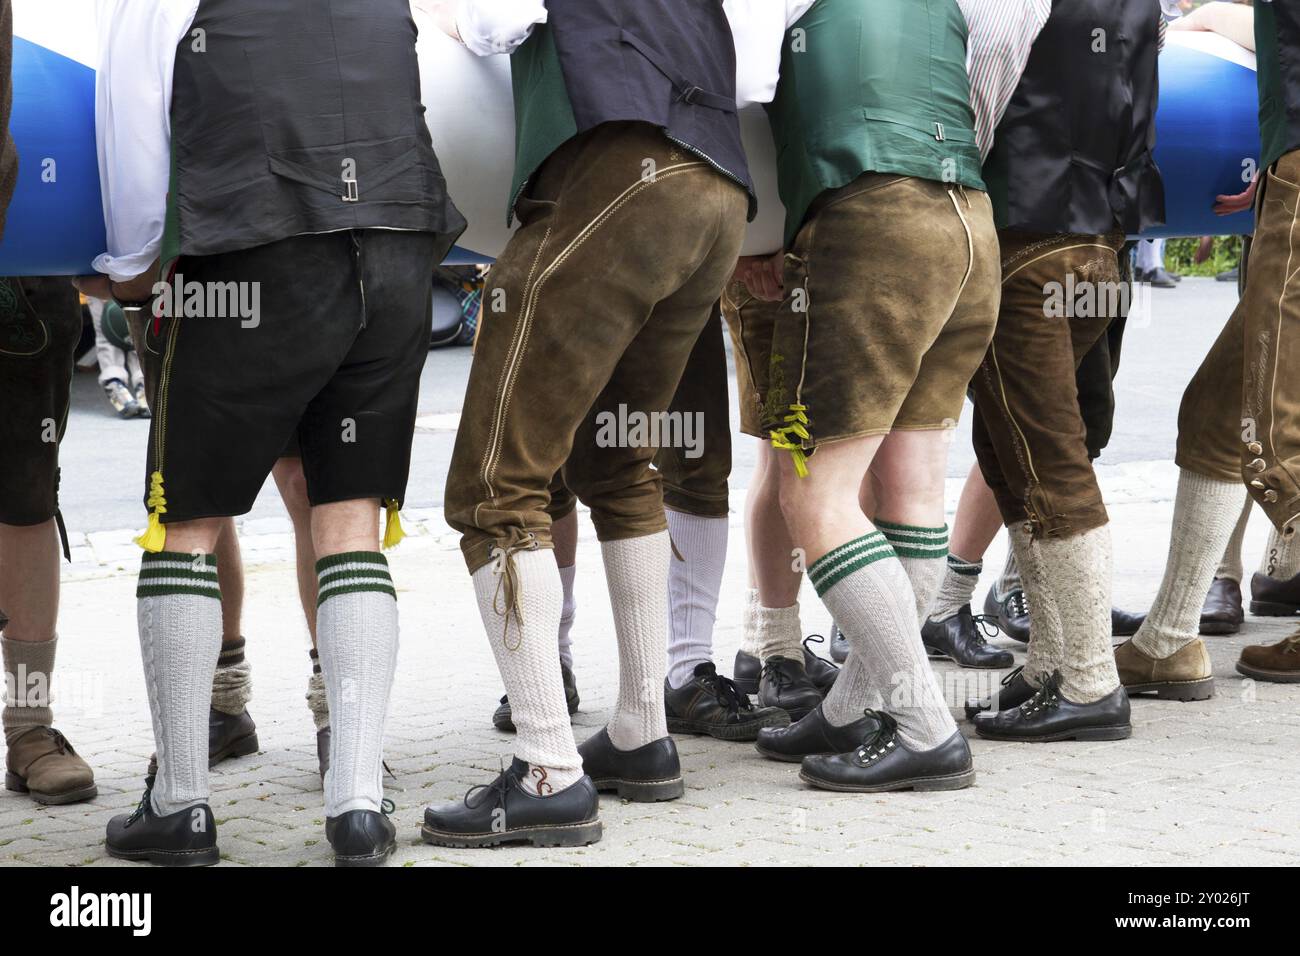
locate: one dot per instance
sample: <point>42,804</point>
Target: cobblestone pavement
<point>1199,783</point>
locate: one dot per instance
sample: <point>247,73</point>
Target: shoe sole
<point>940,656</point>
<point>236,748</point>
<point>378,858</point>
<point>734,732</point>
<point>642,791</point>
<point>208,857</point>
<point>1202,689</point>
<point>1081,734</point>
<point>952,781</point>
<point>1275,677</point>
<point>1273,609</point>
<point>17,784</point>
<point>573,834</point>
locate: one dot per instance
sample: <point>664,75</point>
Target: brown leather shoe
<point>1278,662</point>
<point>1272,598</point>
<point>42,763</point>
<point>1222,613</point>
<point>1185,675</point>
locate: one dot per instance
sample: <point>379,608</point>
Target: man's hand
<point>762,276</point>
<point>1227,205</point>
<point>96,286</point>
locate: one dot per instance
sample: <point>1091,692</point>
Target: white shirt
<point>133,92</point>
<point>1000,35</point>
<point>757,26</point>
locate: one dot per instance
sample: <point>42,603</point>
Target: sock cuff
<point>352,572</point>
<point>912,541</point>
<point>970,569</point>
<point>231,654</point>
<point>173,572</point>
<point>840,562</point>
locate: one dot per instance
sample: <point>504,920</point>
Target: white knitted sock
<point>568,611</point>
<point>519,599</point>
<point>29,667</point>
<point>778,633</point>
<point>957,587</point>
<point>1205,513</point>
<point>1282,557</point>
<point>1077,572</point>
<point>749,624</point>
<point>232,684</point>
<point>178,606</point>
<point>636,570</point>
<point>865,587</point>
<point>923,553</point>
<point>1047,639</point>
<point>1230,565</point>
<point>317,699</point>
<point>693,587</point>
<point>1010,578</point>
<point>356,635</point>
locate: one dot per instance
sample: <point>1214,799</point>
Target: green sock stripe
<point>873,553</point>
<point>178,557</point>
<point>912,532</point>
<point>357,575</point>
<point>161,590</point>
<point>851,564</point>
<point>351,557</point>
<point>937,553</point>
<point>174,572</point>
<point>334,590</point>
<point>970,569</point>
<point>872,540</point>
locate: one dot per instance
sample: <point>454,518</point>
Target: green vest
<point>1278,130</point>
<point>544,118</point>
<point>872,87</point>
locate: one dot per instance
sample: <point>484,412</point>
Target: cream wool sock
<point>1282,557</point>
<point>520,600</point>
<point>694,583</point>
<point>568,611</point>
<point>1047,642</point>
<point>178,607</point>
<point>1230,565</point>
<point>232,684</point>
<point>957,587</point>
<point>357,637</point>
<point>29,667</point>
<point>317,699</point>
<point>1077,573</point>
<point>865,587</point>
<point>1010,579</point>
<point>923,553</point>
<point>636,570</point>
<point>1205,513</point>
<point>749,623</point>
<point>778,633</point>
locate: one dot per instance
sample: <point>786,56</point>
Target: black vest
<point>1073,151</point>
<point>1277,43</point>
<point>293,117</point>
<point>671,63</point>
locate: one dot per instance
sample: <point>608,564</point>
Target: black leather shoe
<point>230,735</point>
<point>784,683</point>
<point>711,704</point>
<point>185,838</point>
<point>1015,690</point>
<point>958,639</point>
<point>1222,612</point>
<point>883,762</point>
<point>646,775</point>
<point>501,812</point>
<point>1270,597</point>
<point>502,719</point>
<point>748,670</point>
<point>839,645</point>
<point>814,734</point>
<point>1125,623</point>
<point>323,750</point>
<point>1049,715</point>
<point>362,837</point>
<point>1011,614</point>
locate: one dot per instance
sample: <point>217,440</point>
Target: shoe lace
<point>881,740</point>
<point>500,787</point>
<point>817,639</point>
<point>1047,697</point>
<point>1012,675</point>
<point>1017,604</point>
<point>986,625</point>
<point>726,692</point>
<point>387,807</point>
<point>772,671</point>
<point>1292,644</point>
<point>142,807</point>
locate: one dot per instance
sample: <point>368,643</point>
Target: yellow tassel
<point>155,535</point>
<point>393,532</point>
<point>796,423</point>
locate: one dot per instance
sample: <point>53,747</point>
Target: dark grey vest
<point>667,62</point>
<point>293,117</point>
<point>1073,151</point>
